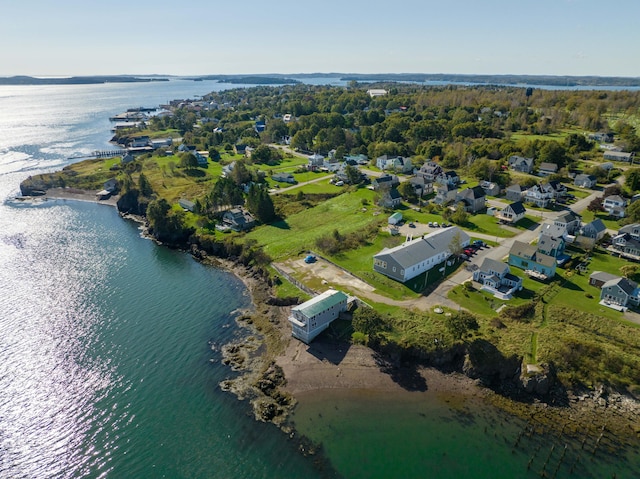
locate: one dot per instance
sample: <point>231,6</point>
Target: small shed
<point>395,218</point>
<point>186,204</point>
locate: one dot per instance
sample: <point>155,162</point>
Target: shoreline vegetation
<point>585,370</point>
<point>274,370</point>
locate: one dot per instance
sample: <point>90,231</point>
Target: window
<point>380,263</point>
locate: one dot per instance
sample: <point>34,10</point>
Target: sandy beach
<point>328,365</point>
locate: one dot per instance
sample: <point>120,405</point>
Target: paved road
<point>501,251</point>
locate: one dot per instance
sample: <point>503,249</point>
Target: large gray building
<point>419,255</point>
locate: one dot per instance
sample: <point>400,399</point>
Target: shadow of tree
<point>282,224</point>
<point>194,173</point>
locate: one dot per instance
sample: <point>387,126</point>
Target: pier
<point>99,154</point>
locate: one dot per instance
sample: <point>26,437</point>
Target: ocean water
<point>106,360</point>
<point>109,346</point>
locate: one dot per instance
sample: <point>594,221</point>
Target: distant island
<point>294,78</point>
<point>249,79</point>
<point>547,80</point>
<point>76,80</point>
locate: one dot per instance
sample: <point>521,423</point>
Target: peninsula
<point>535,293</point>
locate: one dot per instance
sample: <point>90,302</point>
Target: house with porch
<point>312,317</point>
<point>599,278</point>
<point>414,257</point>
<point>620,292</point>
<point>512,213</point>
<point>627,242</point>
<point>540,195</point>
<point>496,278</point>
<point>615,205</point>
<point>238,219</point>
<point>534,263</point>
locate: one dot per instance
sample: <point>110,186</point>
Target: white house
<point>512,213</point>
<point>374,92</point>
<point>496,278</point>
<point>394,163</point>
<point>414,257</point>
<point>314,316</point>
<point>615,205</point>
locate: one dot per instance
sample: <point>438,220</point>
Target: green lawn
<point>588,216</point>
<point>297,233</point>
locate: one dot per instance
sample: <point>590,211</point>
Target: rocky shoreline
<point>273,368</point>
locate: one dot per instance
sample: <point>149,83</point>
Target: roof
<point>597,225</point>
<point>493,265</point>
<point>412,252</point>
<point>624,284</point>
<point>616,199</point>
<point>547,243</point>
<point>476,192</point>
<point>517,207</point>
<point>523,250</point>
<point>396,216</point>
<point>515,187</point>
<point>394,194</point>
<point>545,260</point>
<point>520,159</point>
<point>567,217</point>
<point>316,305</point>
<point>602,276</point>
<point>631,229</point>
<point>583,177</point>
<point>548,166</point>
<point>554,231</point>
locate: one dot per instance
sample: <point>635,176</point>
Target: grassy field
<point>297,233</point>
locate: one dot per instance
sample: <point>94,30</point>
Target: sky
<point>198,37</point>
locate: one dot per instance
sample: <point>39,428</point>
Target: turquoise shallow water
<point>369,434</point>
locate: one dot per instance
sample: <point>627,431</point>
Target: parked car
<point>411,225</point>
<point>436,225</point>
<point>310,259</point>
<point>430,224</point>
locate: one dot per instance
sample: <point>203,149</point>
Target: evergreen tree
<point>144,186</point>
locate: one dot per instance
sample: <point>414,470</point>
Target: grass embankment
<point>589,343</point>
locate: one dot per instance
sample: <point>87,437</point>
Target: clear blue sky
<point>192,37</point>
